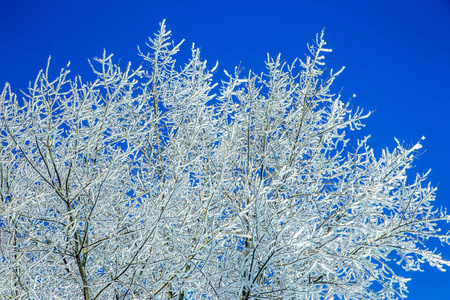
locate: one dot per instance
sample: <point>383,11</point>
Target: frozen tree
<point>144,184</point>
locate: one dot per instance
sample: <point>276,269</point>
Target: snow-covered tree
<point>144,184</point>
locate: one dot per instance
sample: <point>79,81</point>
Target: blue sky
<point>396,55</point>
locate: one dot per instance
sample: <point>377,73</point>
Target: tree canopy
<point>145,184</point>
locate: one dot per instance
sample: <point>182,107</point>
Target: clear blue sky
<point>396,53</point>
